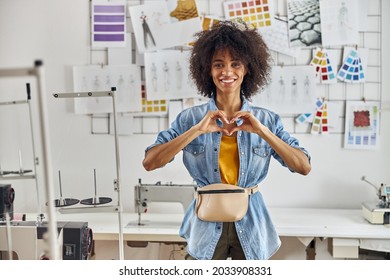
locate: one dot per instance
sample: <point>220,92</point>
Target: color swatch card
<point>108,24</point>
<point>256,13</point>
<point>325,69</point>
<point>324,119</point>
<point>159,107</point>
<point>308,117</point>
<point>361,125</point>
<point>353,68</point>
<point>303,118</point>
<point>320,120</point>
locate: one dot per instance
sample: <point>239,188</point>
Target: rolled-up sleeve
<point>287,138</point>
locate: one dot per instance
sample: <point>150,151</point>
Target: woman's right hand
<point>209,122</point>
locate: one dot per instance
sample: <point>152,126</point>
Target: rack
<point>38,73</point>
<point>21,173</point>
<point>118,207</point>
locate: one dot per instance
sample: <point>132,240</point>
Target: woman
<point>229,140</point>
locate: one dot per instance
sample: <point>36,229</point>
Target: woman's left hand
<point>249,123</point>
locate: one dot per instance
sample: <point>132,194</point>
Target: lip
<point>227,80</point>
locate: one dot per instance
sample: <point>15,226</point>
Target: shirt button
<point>215,149</point>
<point>219,132</point>
<point>194,153</point>
<point>215,170</point>
<point>242,173</point>
<point>242,153</point>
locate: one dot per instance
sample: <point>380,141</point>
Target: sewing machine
<point>145,194</point>
<point>378,212</point>
<point>26,240</point>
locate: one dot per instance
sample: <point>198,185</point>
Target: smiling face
<point>227,72</point>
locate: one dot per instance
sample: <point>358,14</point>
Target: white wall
<point>57,31</point>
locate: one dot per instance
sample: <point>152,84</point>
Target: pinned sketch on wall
<point>339,22</point>
<point>155,27</point>
<point>362,125</point>
<point>167,75</point>
<point>304,22</point>
<point>108,23</point>
<point>292,90</point>
<point>256,13</point>
<point>353,69</point>
<point>126,79</point>
<point>276,38</point>
<point>326,66</point>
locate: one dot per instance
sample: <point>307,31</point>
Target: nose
<point>226,71</point>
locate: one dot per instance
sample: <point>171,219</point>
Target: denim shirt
<point>257,234</point>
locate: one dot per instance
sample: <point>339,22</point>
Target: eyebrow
<point>233,60</point>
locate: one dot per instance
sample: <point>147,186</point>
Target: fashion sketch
<point>96,86</point>
<point>294,89</point>
<point>282,90</point>
<point>166,76</point>
<point>147,33</point>
<point>306,85</point>
<point>108,82</point>
<point>153,69</point>
<point>179,75</point>
<point>343,15</point>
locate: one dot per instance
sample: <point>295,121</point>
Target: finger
<point>240,114</point>
<point>222,115</point>
<point>235,129</point>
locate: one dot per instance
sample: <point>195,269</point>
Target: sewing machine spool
<point>96,200</point>
<point>63,202</point>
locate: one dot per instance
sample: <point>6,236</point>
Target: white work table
<point>346,229</point>
<point>298,222</point>
<point>341,223</point>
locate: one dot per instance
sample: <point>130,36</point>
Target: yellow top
<point>229,161</point>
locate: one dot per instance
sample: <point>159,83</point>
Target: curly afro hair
<point>244,43</point>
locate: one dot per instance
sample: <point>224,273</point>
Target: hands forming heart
<point>241,120</point>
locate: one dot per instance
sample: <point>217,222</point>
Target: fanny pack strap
<point>252,190</point>
<point>249,191</point>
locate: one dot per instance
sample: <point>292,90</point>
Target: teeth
<point>228,81</point>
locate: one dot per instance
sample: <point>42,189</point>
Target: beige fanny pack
<point>222,202</point>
